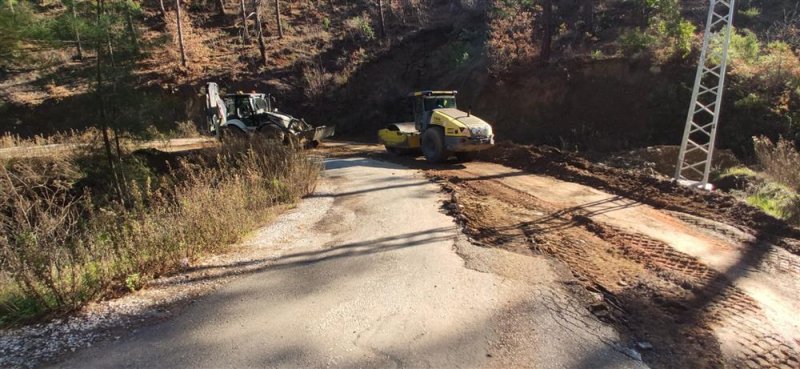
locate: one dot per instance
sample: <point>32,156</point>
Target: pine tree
<point>278,19</point>
<point>180,32</point>
<point>78,45</point>
<point>245,32</point>
<point>382,18</point>
<point>547,36</point>
<point>262,46</point>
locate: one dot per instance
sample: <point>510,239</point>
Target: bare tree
<point>221,7</point>
<point>262,46</point>
<point>163,9</point>
<point>78,45</point>
<point>382,18</point>
<point>547,36</point>
<point>588,15</point>
<point>245,33</point>
<point>101,99</point>
<point>278,18</point>
<point>787,29</point>
<point>180,32</point>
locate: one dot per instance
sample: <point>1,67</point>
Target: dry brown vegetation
<point>9,140</point>
<point>779,160</point>
<point>511,37</point>
<point>64,241</point>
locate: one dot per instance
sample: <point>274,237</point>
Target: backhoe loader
<point>250,114</point>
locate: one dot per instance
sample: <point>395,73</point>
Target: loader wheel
<point>272,133</point>
<point>232,133</point>
<point>433,145</point>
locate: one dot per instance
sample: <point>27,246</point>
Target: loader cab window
<point>239,107</point>
<point>230,107</point>
<point>439,102</point>
<point>261,104</point>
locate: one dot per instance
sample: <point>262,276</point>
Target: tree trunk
<point>221,6</point>
<point>262,46</point>
<point>180,32</point>
<point>101,102</point>
<point>110,50</point>
<point>547,36</point>
<point>163,9</point>
<point>383,19</point>
<point>132,31</point>
<point>109,43</point>
<point>588,15</point>
<point>245,33</point>
<point>78,45</point>
<point>278,18</point>
<point>11,6</point>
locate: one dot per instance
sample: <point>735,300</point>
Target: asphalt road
<point>372,274</point>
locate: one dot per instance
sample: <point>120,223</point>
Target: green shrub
<point>777,200</point>
<point>635,41</point>
<point>669,34</point>
<point>751,12</point>
<point>360,28</point>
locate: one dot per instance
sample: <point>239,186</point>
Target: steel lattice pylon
<point>701,123</point>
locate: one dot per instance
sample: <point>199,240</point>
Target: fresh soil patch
<point>658,193</point>
<point>657,297</point>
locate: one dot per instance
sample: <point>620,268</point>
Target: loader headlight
<point>481,131</point>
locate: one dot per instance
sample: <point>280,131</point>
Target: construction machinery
<point>439,129</point>
<point>252,114</point>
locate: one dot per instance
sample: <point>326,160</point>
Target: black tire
<point>233,133</point>
<point>392,150</point>
<point>465,156</point>
<point>272,132</point>
<point>433,145</point>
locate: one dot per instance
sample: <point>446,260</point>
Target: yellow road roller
<point>439,129</point>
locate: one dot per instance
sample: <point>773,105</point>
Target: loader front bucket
<point>313,137</point>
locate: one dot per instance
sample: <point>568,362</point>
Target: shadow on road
<point>300,259</point>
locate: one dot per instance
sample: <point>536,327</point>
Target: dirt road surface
<point>377,275</point>
<point>705,294</point>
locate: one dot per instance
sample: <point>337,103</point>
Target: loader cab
<point>425,102</point>
<point>246,106</point>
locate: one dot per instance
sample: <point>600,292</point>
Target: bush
<point>317,81</point>
<point>635,41</point>
<point>511,36</point>
<point>60,247</point>
<point>763,97</point>
<point>780,160</point>
<point>667,35</point>
<point>360,28</point>
<point>186,129</point>
<point>777,200</point>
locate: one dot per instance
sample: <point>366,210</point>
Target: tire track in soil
<point>644,286</point>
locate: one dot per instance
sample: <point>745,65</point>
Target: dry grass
<point>60,247</point>
<point>317,81</point>
<point>779,160</point>
<point>9,140</point>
